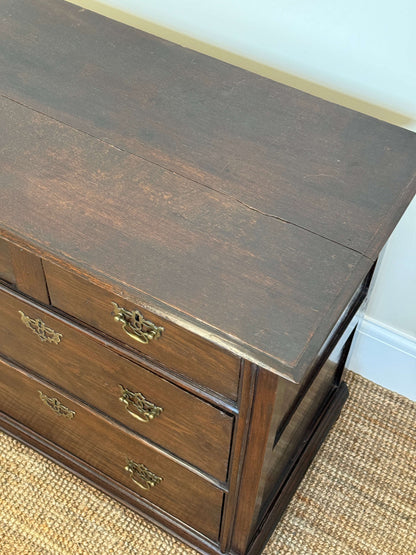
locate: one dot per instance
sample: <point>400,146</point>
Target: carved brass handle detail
<point>57,406</point>
<point>134,324</point>
<point>40,329</point>
<point>141,475</point>
<point>138,406</point>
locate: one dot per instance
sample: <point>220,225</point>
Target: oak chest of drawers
<point>185,250</point>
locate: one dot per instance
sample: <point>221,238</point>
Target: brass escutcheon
<point>141,475</point>
<point>40,329</point>
<point>57,406</point>
<point>138,406</point>
<point>134,324</point>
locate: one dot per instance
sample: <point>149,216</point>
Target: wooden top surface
<point>240,208</point>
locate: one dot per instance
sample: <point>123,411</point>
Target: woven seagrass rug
<point>359,496</point>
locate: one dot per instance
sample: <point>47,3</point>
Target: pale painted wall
<point>359,54</point>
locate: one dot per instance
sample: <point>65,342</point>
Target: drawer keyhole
<point>134,324</point>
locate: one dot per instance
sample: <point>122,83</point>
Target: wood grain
<point>28,270</point>
<point>181,492</point>
<point>314,437</point>
<point>239,445</point>
<point>254,140</point>
<point>180,351</point>
<point>83,366</point>
<point>238,213</point>
<point>6,265</point>
<point>110,487</point>
<point>262,288</point>
<point>255,458</point>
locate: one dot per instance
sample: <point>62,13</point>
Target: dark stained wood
<point>333,352</point>
<point>81,365</point>
<point>313,440</point>
<point>107,485</point>
<point>23,269</point>
<point>252,284</point>
<point>260,142</point>
<point>287,422</point>
<point>289,439</point>
<point>239,446</point>
<point>6,265</point>
<point>242,215</point>
<point>181,351</point>
<point>255,457</point>
<point>28,270</point>
<point>181,492</point>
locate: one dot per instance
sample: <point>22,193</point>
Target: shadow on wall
<point>251,65</point>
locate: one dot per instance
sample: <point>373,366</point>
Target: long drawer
<point>80,363</point>
<point>110,449</point>
<point>178,349</point>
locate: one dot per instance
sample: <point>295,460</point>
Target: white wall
<point>393,298</point>
<point>359,54</point>
<point>385,348</point>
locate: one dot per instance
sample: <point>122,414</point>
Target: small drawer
<point>6,265</point>
<point>176,348</point>
<point>23,269</point>
<point>80,363</point>
<point>111,450</point>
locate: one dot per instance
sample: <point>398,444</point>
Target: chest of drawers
<point>184,253</point>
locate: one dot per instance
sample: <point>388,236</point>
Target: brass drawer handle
<point>57,406</point>
<point>40,329</point>
<point>138,406</point>
<point>141,475</point>
<point>135,325</point>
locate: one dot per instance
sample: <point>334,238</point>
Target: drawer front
<point>177,349</point>
<point>81,364</point>
<point>111,450</point>
<point>23,270</point>
<point>6,265</point>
